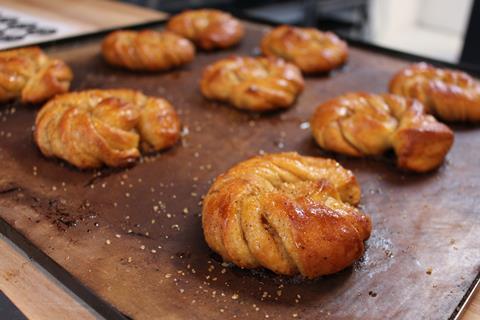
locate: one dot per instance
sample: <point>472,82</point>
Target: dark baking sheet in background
<point>163,268</point>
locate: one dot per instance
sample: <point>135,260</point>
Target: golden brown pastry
<point>95,127</point>
<point>257,84</point>
<point>448,94</point>
<point>207,28</point>
<point>287,213</point>
<point>29,74</point>
<point>147,50</point>
<point>308,48</point>
<point>363,124</point>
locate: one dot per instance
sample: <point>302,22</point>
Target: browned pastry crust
<point>287,213</point>
<point>207,28</point>
<point>31,75</point>
<point>95,127</point>
<point>310,49</point>
<point>257,84</point>
<point>147,50</point>
<point>362,124</point>
<point>448,94</point>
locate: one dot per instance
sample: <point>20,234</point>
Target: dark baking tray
<point>8,310</point>
<point>64,217</point>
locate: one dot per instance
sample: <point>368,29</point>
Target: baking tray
<point>130,241</point>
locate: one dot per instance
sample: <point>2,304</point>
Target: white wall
<point>433,28</point>
<point>447,15</point>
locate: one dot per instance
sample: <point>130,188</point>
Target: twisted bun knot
<point>308,48</point>
<point>258,84</point>
<point>448,94</point>
<point>95,127</point>
<point>287,213</point>
<point>147,50</point>
<point>209,29</point>
<point>31,75</point>
<point>362,124</point>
